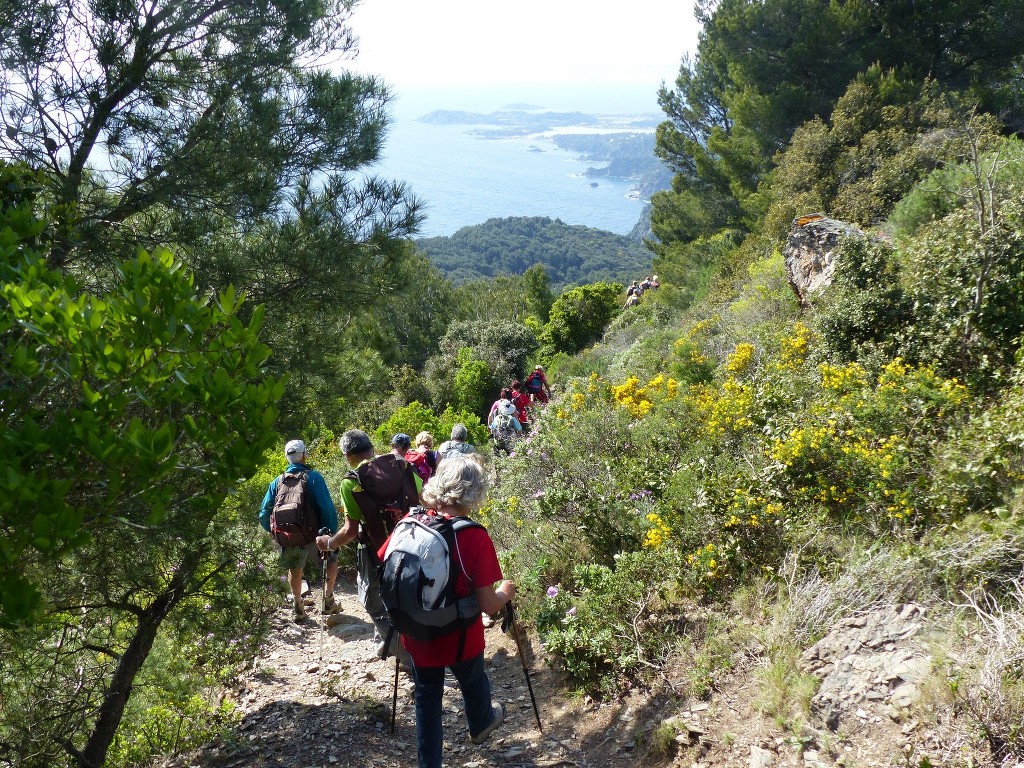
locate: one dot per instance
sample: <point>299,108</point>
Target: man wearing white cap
<point>298,540</point>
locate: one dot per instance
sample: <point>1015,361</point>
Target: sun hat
<point>294,449</point>
<point>401,440</point>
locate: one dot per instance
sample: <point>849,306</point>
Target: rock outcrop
<point>869,667</point>
<point>810,253</point>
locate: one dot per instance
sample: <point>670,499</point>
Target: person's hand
<point>323,543</point>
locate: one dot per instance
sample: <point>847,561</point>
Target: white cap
<point>294,449</point>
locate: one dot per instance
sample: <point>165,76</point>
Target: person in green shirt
<point>375,493</point>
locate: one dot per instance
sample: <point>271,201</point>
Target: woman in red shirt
<point>457,489</point>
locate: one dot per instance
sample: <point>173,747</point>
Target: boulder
<point>810,253</point>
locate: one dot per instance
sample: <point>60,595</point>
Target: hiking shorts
<point>295,557</point>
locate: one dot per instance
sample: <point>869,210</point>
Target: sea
<point>463,177</point>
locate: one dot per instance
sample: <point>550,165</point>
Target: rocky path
<point>322,698</point>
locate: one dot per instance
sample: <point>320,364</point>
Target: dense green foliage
<point>216,129</point>
<point>764,67</point>
<point>129,417</point>
<point>572,255</point>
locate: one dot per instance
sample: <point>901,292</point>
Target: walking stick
<point>394,696</point>
<point>510,621</point>
<point>323,588</point>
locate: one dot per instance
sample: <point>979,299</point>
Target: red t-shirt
<point>479,568</point>
<point>522,401</point>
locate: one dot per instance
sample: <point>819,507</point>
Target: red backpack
<point>421,463</point>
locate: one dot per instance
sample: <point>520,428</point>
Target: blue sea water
<point>464,179</point>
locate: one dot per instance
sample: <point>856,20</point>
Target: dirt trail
<point>322,698</point>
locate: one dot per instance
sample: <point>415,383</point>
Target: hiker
<point>506,394</point>
<point>654,282</point>
<point>522,402</point>
<point>457,489</point>
<point>633,290</point>
<point>537,385</point>
<point>505,427</point>
<point>458,444</point>
<point>645,284</point>
<point>423,457</point>
<point>400,445</point>
<point>376,491</point>
<point>321,513</point>
<point>631,301</point>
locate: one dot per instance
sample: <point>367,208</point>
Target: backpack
<point>533,383</point>
<point>418,575</point>
<point>502,426</point>
<point>388,492</point>
<point>421,463</point>
<point>294,522</point>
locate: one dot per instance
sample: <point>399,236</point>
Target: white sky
<point>462,42</point>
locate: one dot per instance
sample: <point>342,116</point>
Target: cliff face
<point>810,253</point>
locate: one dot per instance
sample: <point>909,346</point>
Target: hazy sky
<point>457,42</point>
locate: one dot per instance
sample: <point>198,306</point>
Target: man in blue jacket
<point>294,558</point>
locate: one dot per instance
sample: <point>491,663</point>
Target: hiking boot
<point>498,712</point>
<point>308,600</point>
<point>299,614</point>
<point>331,605</point>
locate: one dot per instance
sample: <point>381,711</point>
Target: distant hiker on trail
<point>633,290</point>
<point>505,427</point>
<point>376,492</point>
<point>522,402</point>
<point>459,488</point>
<point>458,444</point>
<point>296,506</point>
<point>423,457</point>
<point>537,386</point>
<point>654,282</point>
<point>645,284</point>
<point>631,301</point>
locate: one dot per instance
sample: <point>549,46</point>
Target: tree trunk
<point>111,711</point>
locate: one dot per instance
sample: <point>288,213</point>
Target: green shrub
<point>579,316</point>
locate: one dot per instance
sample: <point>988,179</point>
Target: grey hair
<point>355,441</point>
<point>459,432</point>
<point>460,481</point>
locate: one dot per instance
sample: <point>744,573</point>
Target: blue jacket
<point>316,486</point>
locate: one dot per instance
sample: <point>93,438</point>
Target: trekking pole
<point>323,588</point>
<point>394,696</point>
<point>510,621</point>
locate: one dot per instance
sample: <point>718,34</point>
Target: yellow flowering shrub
<point>639,398</point>
<point>659,534</point>
<point>723,410</point>
<point>861,448</point>
<point>741,360</point>
<point>794,348</point>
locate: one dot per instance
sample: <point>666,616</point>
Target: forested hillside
<point>780,497</point>
<point>571,254</point>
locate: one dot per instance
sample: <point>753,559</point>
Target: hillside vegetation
<point>571,254</point>
<point>727,474</point>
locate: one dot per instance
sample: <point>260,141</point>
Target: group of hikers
<point>509,416</point>
<point>638,289</point>
<point>428,610</point>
